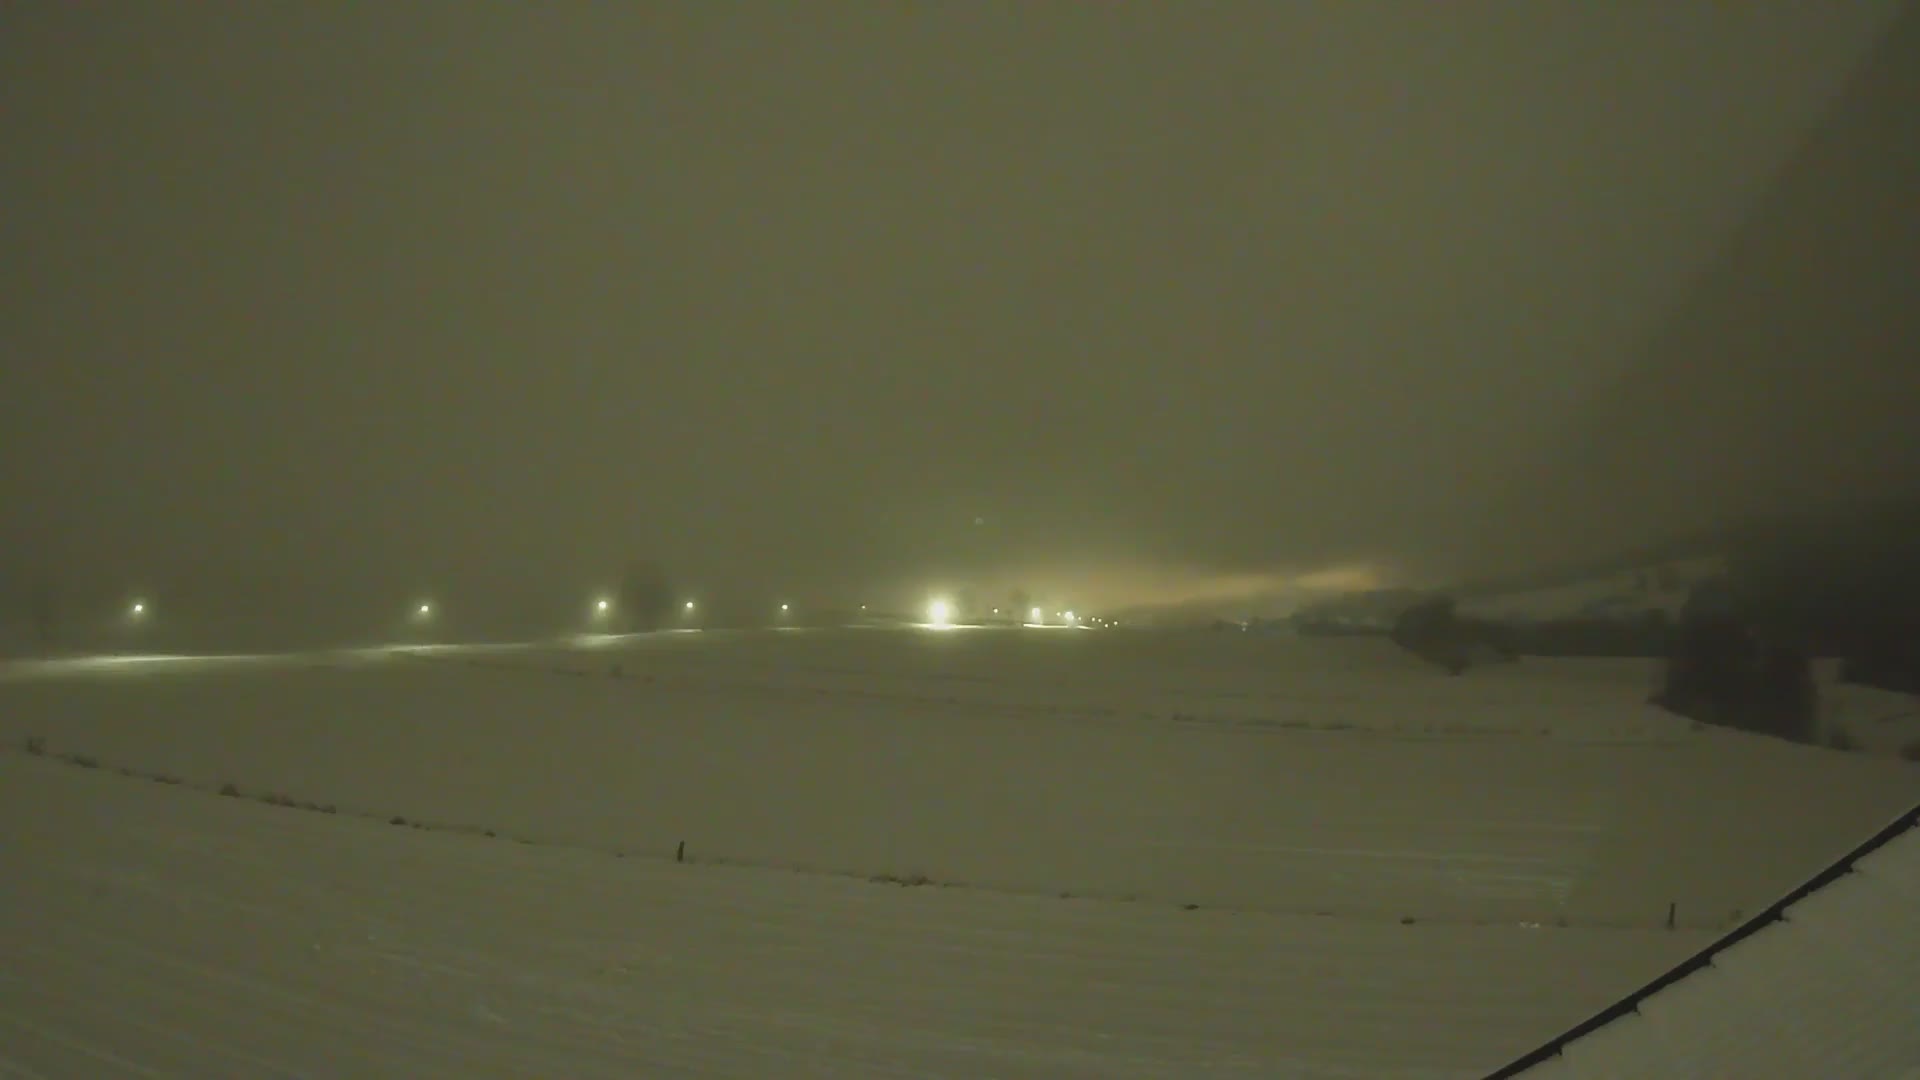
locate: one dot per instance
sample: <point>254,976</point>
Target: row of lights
<point>939,612</point>
<point>602,606</point>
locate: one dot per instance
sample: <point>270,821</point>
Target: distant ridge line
<point>1725,539</point>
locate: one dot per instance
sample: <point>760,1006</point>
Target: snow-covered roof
<point>1824,983</point>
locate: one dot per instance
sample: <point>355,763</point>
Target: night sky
<point>1131,302</point>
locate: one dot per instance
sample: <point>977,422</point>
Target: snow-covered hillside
<point>1627,592</point>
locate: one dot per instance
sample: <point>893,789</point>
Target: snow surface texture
<point>1196,856</point>
<point>1826,989</point>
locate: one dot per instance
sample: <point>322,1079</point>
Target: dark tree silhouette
<point>1723,671</point>
<point>1431,630</point>
<point>646,599</point>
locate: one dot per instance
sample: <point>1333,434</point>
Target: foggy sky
<point>787,296</point>
<point>1783,380</point>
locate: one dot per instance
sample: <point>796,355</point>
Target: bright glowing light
<point>601,605</point>
<point>940,613</point>
<point>1067,615</point>
<point>426,610</point>
<point>689,605</point>
<point>139,607</point>
<point>1035,615</point>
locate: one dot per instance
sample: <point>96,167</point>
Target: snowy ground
<point>1162,855</point>
<point>1871,721</point>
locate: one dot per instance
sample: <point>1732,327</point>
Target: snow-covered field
<point>1153,855</point>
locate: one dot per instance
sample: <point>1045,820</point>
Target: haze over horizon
<point>1139,303</point>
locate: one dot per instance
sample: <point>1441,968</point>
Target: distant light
<point>139,607</point>
<point>940,613</point>
<point>426,609</point>
<point>601,605</point>
<point>689,605</point>
<point>783,607</point>
<point>1067,615</point>
<point>1035,615</point>
<point>996,611</point>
